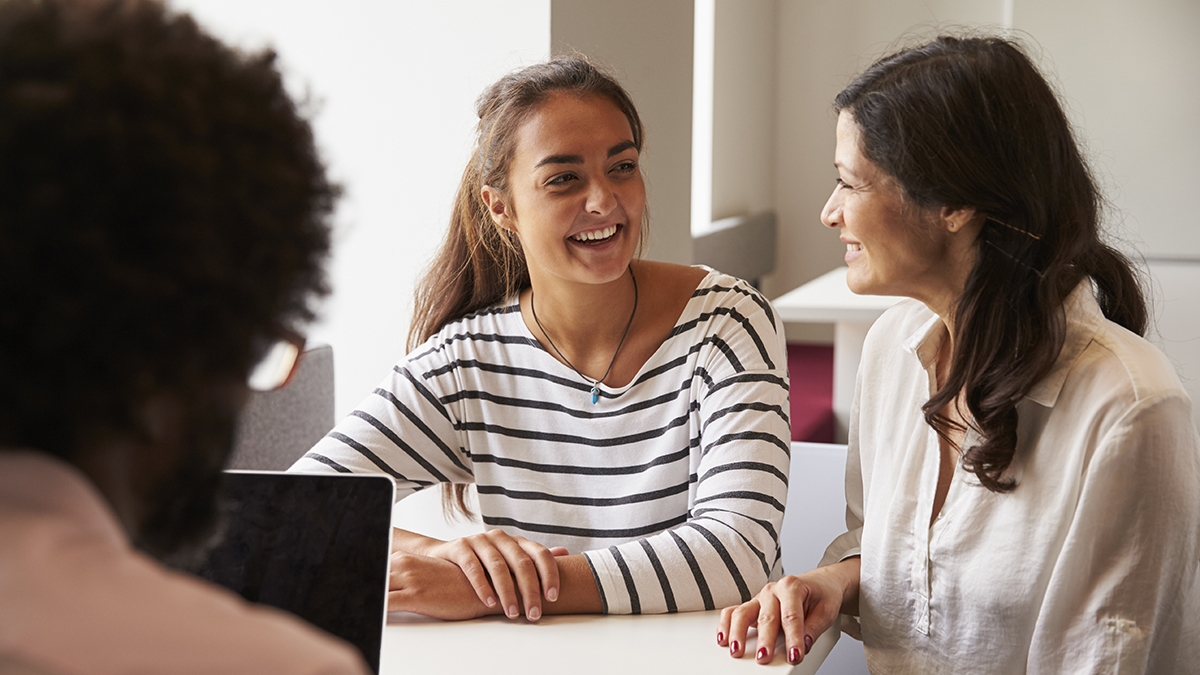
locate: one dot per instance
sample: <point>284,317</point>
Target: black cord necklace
<point>595,383</point>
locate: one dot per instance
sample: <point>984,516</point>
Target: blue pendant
<point>595,395</point>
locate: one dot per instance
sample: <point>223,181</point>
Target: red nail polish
<point>807,643</point>
<point>762,653</point>
<point>720,637</point>
<point>733,647</point>
<point>794,655</point>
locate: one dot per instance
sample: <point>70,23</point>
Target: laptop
<point>315,545</point>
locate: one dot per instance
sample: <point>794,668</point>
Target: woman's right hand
<point>804,606</point>
<point>504,568</point>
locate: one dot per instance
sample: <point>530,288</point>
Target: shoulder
<point>71,573</point>
<point>496,325</point>
<point>1126,388</point>
<point>1132,364</point>
<point>716,291</point>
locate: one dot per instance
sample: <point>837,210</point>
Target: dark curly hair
<point>970,122</point>
<point>163,214</point>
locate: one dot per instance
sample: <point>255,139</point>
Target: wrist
<point>404,541</point>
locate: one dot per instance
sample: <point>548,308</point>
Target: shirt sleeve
<point>1124,594</point>
<point>401,429</point>
<point>728,546</point>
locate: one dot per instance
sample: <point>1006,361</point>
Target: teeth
<point>595,235</point>
<point>853,247</point>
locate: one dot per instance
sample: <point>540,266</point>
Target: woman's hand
<point>804,606</point>
<point>517,571</point>
<point>433,587</point>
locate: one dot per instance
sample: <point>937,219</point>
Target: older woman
<point>624,420</point>
<point>1023,481</point>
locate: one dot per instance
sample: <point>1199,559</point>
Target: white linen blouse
<point>1090,565</point>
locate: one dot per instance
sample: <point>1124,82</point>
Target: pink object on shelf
<point>810,369</point>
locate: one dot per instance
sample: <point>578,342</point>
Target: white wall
<point>648,45</point>
<point>1130,75</point>
<point>396,82</point>
<point>743,115</point>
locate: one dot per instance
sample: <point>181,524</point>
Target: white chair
<point>816,514</point>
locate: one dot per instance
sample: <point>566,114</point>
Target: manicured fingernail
<point>720,637</point>
<point>733,647</point>
<point>534,613</point>
<point>762,653</point>
<point>552,594</point>
<point>794,655</point>
<point>807,644</point>
<point>512,611</point>
<point>490,602</point>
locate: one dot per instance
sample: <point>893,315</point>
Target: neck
<point>583,325</point>
<point>584,316</point>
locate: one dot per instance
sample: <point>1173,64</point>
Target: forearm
<point>404,541</point>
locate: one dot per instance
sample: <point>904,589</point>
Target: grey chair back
<point>276,428</point>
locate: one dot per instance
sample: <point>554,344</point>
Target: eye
<point>562,179</point>
<point>628,166</point>
<point>843,184</point>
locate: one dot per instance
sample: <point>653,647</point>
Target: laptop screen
<point>314,545</point>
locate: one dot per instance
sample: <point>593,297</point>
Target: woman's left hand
<point>434,587</point>
<point>803,607</point>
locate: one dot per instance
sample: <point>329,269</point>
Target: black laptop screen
<point>314,545</point>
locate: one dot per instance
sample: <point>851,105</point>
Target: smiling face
<point>892,248</point>
<point>575,194</point>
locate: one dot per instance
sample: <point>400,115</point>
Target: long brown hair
<point>970,122</point>
<point>478,265</point>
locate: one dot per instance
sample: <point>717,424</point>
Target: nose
<point>831,215</point>
<point>601,198</point>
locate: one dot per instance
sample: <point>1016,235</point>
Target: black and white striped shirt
<point>673,487</point>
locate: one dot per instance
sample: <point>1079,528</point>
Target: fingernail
<point>490,602</point>
<point>720,637</point>
<point>512,611</point>
<point>552,594</point>
<point>807,643</point>
<point>733,647</point>
<point>762,653</point>
<point>794,655</point>
<point>534,613</point>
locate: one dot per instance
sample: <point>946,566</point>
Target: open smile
<point>596,237</point>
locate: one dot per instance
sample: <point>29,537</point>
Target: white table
<point>827,299</point>
<point>607,645</point>
<point>580,645</point>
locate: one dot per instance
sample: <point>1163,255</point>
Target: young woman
<point>630,414</point>
<point>1023,467</point>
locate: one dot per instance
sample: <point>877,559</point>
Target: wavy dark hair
<point>970,122</point>
<point>163,214</point>
<point>477,264</point>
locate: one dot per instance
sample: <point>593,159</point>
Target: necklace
<point>595,383</point>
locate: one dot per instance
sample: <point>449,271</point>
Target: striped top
<point>673,486</point>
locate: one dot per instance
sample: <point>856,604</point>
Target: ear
<point>498,208</point>
<point>962,219</point>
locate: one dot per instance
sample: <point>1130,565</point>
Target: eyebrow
<point>577,159</point>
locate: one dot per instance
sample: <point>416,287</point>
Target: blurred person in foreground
<point>164,220</point>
